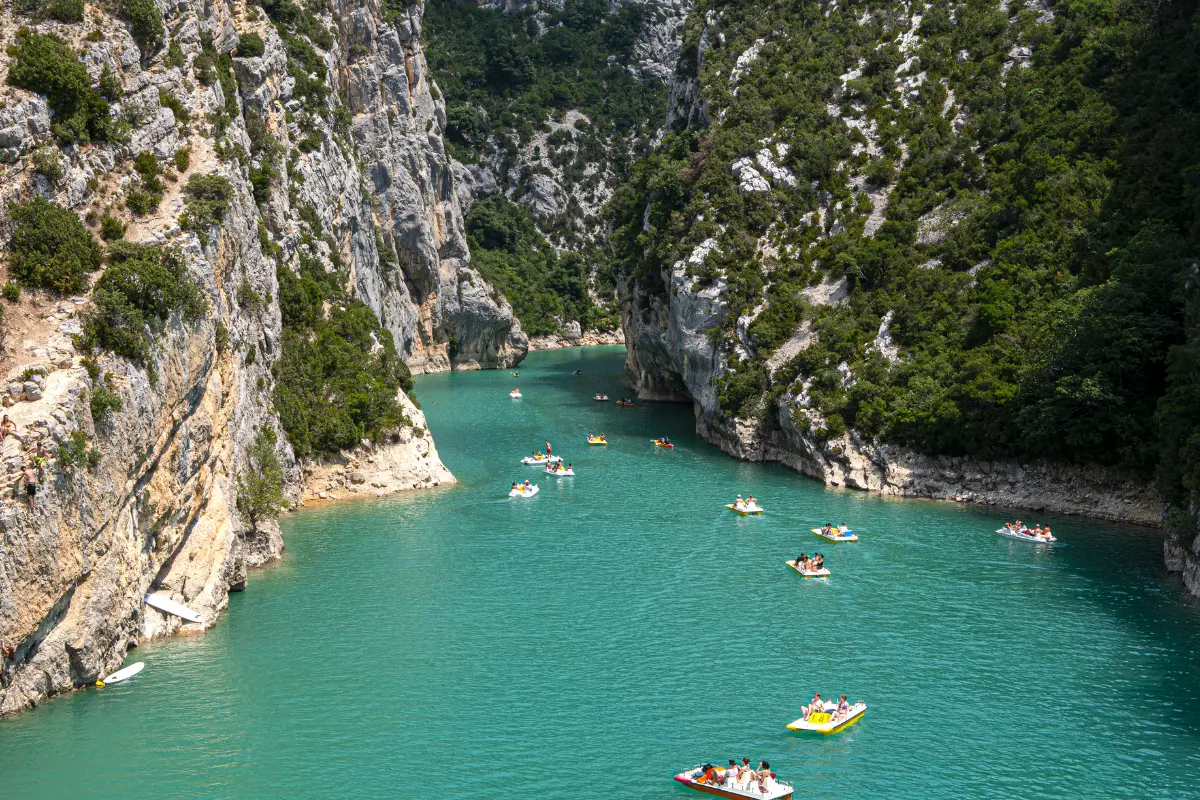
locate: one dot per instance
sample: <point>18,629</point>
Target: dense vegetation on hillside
<point>510,81</point>
<point>1046,315</point>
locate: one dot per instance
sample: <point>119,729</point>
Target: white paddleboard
<point>169,606</point>
<point>124,674</point>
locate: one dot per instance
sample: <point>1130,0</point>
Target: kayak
<point>562,473</point>
<point>694,779</point>
<point>515,394</point>
<point>848,536</point>
<point>169,606</point>
<point>623,403</point>
<point>597,441</point>
<point>1024,536</point>
<point>823,572</point>
<point>540,462</point>
<point>745,511</point>
<point>661,443</point>
<point>524,493</point>
<point>122,674</point>
<point>826,722</point>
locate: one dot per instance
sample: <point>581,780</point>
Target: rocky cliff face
<point>684,334</point>
<point>145,499</point>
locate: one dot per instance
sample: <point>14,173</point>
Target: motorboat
<point>562,472</point>
<point>522,492</point>
<point>515,394</point>
<point>661,443</point>
<point>745,509</point>
<point>804,572</point>
<point>711,780</point>
<point>1025,535</point>
<point>828,721</point>
<point>835,535</point>
<point>534,461</point>
<point>597,440</point>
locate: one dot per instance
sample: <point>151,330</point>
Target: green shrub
<point>48,163</point>
<point>178,110</point>
<point>260,485</point>
<point>65,10</point>
<point>12,291</point>
<point>250,45</point>
<point>221,338</point>
<point>50,247</point>
<point>206,201</point>
<point>75,453</point>
<point>175,55</point>
<point>46,65</point>
<point>110,85</point>
<point>182,158</point>
<point>103,401</point>
<point>141,287</point>
<point>111,228</point>
<point>145,24</point>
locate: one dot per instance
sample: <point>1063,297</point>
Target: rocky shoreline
<point>575,338</point>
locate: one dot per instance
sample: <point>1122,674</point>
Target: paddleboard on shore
<point>169,606</point>
<point>122,674</point>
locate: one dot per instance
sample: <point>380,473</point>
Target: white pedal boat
<point>745,509</point>
<point>827,722</point>
<point>848,536</point>
<point>775,790</point>
<point>524,493</point>
<point>530,461</point>
<point>515,394</point>
<point>1025,536</point>
<point>823,572</point>
<point>562,473</point>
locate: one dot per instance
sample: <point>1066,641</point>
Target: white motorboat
<point>1024,535</point>
<point>711,780</point>
<point>524,493</point>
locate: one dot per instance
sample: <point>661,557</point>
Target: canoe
<point>659,443</point>
<point>122,674</point>
<point>850,536</point>
<point>776,790</point>
<point>562,473</point>
<point>598,441</point>
<point>825,723</point>
<point>524,494</point>
<point>623,403</point>
<point>745,511</point>
<point>169,606</point>
<point>1024,537</point>
<point>823,572</point>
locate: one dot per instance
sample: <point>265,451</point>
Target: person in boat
<point>751,501</point>
<point>666,440</point>
<point>745,773</point>
<point>569,468</point>
<point>818,562</point>
<point>1018,527</point>
<point>739,504</point>
<point>843,707</point>
<point>514,487</point>
<point>603,438</point>
<point>706,774</point>
<point>827,530</point>
<point>1046,533</point>
<point>813,707</point>
<point>765,777</point>
<point>729,776</point>
<point>842,529</point>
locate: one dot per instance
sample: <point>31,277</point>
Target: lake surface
<point>622,625</point>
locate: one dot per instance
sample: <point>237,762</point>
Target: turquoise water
<point>623,624</point>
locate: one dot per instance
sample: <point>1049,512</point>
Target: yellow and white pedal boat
<point>745,509</point>
<point>834,536</point>
<point>598,440</point>
<point>823,572</point>
<point>828,721</point>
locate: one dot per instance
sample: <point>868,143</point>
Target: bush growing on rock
<point>111,228</point>
<point>140,289</point>
<point>250,45</point>
<point>50,247</point>
<point>46,65</point>
<point>145,24</point>
<point>260,485</point>
<point>206,201</point>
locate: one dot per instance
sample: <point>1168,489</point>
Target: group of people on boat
<point>599,396</point>
<point>814,564</point>
<point>557,466</point>
<point>742,505</point>
<point>818,705</point>
<point>1037,531</point>
<point>737,776</point>
<point>522,487</point>
<point>600,438</point>
<point>538,455</point>
<point>830,530</point>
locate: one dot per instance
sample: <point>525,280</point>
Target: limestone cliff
<point>144,498</point>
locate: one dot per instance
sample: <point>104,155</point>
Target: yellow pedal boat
<point>827,722</point>
<point>597,440</point>
<point>823,572</point>
<point>745,510</point>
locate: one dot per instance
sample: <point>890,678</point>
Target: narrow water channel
<point>622,625</point>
